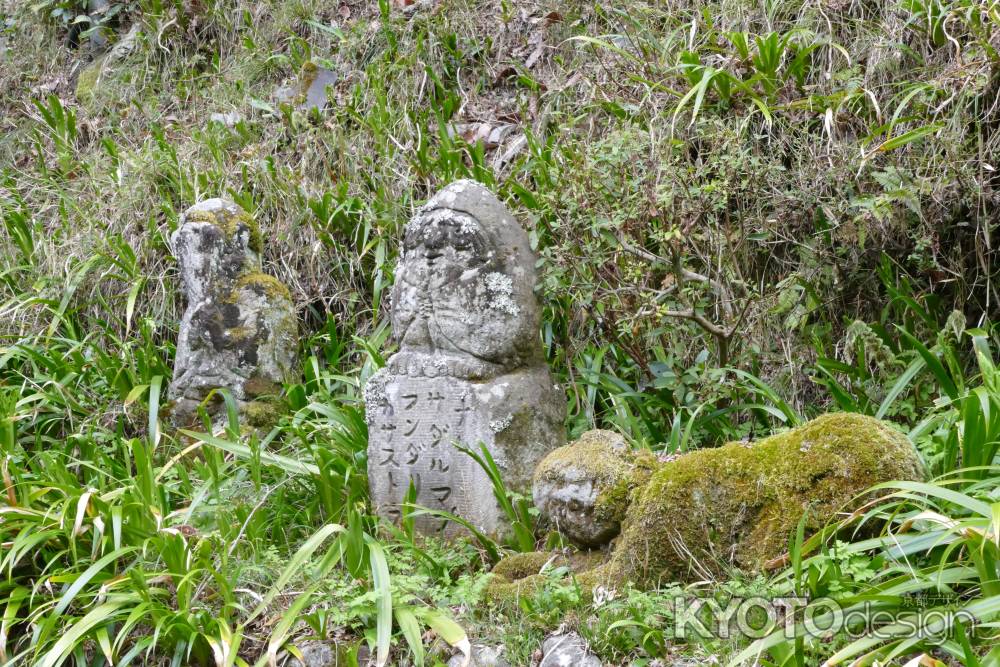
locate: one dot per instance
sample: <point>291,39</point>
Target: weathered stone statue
<point>696,514</point>
<point>583,489</point>
<point>469,369</point>
<point>239,330</point>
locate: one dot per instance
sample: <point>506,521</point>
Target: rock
<point>696,515</point>
<point>482,656</point>
<point>239,329</point>
<point>469,368</point>
<point>583,489</point>
<point>228,119</point>
<point>98,10</point>
<point>317,79</point>
<point>309,90</point>
<point>126,44</point>
<point>568,650</point>
<point>320,653</point>
<point>740,503</point>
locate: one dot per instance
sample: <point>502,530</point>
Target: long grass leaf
<point>383,600</point>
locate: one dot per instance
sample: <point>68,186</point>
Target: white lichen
<point>501,289</point>
<point>498,425</point>
<point>374,394</point>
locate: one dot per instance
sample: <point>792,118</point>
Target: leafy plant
<point>939,543</point>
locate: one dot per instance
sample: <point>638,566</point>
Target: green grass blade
<point>383,596</point>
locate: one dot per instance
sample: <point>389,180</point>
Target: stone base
<point>416,424</point>
<point>255,414</point>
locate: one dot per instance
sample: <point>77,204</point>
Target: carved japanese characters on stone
<point>239,330</point>
<point>469,369</point>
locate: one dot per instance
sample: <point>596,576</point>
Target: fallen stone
<point>737,505</point>
<point>309,91</point>
<point>702,513</point>
<point>318,79</point>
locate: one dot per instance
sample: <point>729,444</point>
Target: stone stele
<point>469,369</point>
<point>239,330</point>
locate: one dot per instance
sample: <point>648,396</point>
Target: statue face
<point>443,240</point>
<point>196,246</point>
<point>570,502</point>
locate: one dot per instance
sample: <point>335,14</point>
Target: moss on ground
<point>86,82</point>
<point>521,575</point>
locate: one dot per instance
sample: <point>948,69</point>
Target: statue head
<point>584,488</point>
<point>442,239</point>
<point>465,281</point>
<point>215,243</point>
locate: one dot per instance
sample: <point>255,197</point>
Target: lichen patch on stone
<point>501,289</point>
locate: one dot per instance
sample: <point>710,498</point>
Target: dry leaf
<point>535,55</point>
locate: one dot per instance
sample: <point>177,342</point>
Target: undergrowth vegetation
<point>747,214</point>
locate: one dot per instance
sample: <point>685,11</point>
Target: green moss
<point>86,82</point>
<point>519,575</point>
<point>230,223</point>
<point>261,283</point>
<point>262,414</point>
<point>307,74</point>
<point>613,501</point>
<point>239,334</point>
<point>739,503</point>
<point>519,566</point>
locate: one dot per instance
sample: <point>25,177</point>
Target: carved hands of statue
<point>453,297</point>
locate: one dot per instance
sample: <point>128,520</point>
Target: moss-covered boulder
<point>703,512</point>
<point>739,504</point>
<point>583,489</point>
<point>522,575</point>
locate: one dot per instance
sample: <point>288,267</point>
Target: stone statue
<point>469,369</point>
<point>583,489</point>
<point>692,516</point>
<point>239,329</point>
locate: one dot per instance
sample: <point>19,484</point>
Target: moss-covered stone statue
<point>700,512</point>
<point>239,329</point>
